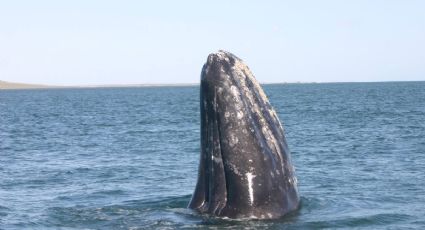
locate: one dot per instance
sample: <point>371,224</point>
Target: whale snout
<point>245,169</point>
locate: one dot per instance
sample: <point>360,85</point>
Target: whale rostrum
<point>245,169</point>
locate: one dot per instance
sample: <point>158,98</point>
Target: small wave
<point>129,214</point>
<point>95,195</point>
<point>108,192</point>
<point>166,202</point>
<point>4,211</point>
<point>362,221</point>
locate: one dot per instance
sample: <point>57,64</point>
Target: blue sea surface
<point>127,158</point>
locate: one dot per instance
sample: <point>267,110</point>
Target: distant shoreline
<point>4,85</point>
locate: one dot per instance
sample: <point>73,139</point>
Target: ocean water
<point>127,158</point>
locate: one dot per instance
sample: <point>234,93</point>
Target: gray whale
<point>245,169</point>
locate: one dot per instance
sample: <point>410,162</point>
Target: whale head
<point>245,169</point>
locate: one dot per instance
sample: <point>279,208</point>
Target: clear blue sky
<point>126,42</point>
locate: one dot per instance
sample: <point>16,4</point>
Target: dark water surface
<point>127,158</point>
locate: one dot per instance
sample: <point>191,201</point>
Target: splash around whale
<point>245,170</point>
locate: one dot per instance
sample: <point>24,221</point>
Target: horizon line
<point>19,85</point>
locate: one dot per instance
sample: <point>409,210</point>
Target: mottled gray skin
<point>245,169</point>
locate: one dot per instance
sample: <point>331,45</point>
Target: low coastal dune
<point>13,85</point>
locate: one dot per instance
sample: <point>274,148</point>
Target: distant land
<point>14,85</point>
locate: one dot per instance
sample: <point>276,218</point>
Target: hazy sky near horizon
<point>133,42</point>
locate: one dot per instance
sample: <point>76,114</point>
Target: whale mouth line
<point>223,169</point>
<point>216,161</point>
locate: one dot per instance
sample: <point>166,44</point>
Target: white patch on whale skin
<point>295,180</point>
<point>233,140</point>
<point>234,90</point>
<point>239,114</point>
<point>216,159</point>
<point>234,169</point>
<point>219,90</point>
<point>249,177</point>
